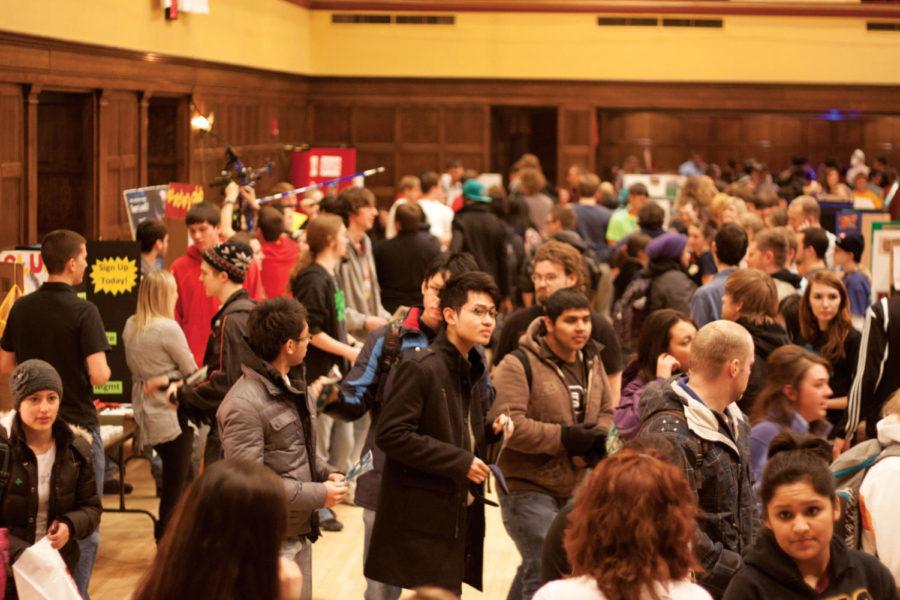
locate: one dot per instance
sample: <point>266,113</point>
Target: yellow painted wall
<point>281,36</point>
<point>266,34</point>
<point>572,46</point>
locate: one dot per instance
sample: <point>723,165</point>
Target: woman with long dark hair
<point>664,349</point>
<point>794,397</point>
<point>798,556</point>
<point>223,542</point>
<point>826,328</point>
<point>631,533</point>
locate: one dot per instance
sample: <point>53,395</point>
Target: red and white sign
<point>318,165</point>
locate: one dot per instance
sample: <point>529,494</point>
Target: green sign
<point>112,337</point>
<point>110,387</point>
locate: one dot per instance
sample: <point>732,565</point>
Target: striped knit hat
<point>231,257</point>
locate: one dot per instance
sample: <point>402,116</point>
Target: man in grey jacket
<point>269,418</point>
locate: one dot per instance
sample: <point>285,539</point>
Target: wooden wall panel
<point>259,125</point>
<point>118,161</point>
<point>12,164</point>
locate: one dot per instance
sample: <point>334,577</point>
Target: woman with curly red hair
<point>630,534</point>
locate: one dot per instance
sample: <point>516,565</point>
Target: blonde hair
<point>156,298</point>
<point>320,232</point>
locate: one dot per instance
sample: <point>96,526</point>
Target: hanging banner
<point>111,284</point>
<point>318,165</point>
<point>180,197</point>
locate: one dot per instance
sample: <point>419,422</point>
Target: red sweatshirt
<point>278,261</point>
<point>194,310</point>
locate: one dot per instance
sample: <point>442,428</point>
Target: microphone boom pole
<point>300,190</point>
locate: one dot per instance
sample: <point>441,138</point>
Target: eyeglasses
<point>303,339</point>
<point>434,289</point>
<point>483,311</point>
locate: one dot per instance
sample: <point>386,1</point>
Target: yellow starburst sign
<point>114,275</point>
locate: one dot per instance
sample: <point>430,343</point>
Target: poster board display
<point>34,273</point>
<point>659,185</point>
<point>885,236</point>
<point>111,283</point>
<point>866,221</point>
<point>145,203</point>
<point>12,275</point>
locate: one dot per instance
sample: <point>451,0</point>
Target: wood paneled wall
<point>405,125</point>
<point>772,138</point>
<point>405,138</point>
<point>257,112</point>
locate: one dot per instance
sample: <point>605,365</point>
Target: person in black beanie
<point>50,490</point>
<point>222,274</point>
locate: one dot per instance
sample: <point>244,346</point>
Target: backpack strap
<point>526,364</point>
<point>390,352</point>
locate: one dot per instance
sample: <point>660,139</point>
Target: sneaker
<point>331,524</point>
<point>112,487</point>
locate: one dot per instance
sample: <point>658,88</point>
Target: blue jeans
<point>527,517</point>
<point>89,545</point>
<point>375,590</point>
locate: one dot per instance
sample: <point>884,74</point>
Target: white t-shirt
<point>585,588</point>
<point>44,471</point>
<point>438,215</point>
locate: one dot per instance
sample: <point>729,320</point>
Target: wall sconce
<point>201,123</point>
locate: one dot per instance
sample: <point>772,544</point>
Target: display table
<point>117,426</point>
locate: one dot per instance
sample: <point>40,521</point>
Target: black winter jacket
<point>226,351</point>
<point>424,532</point>
<point>670,286</point>
<point>766,338</point>
<point>480,232</point>
<point>769,573</point>
<point>73,491</point>
<point>723,481</point>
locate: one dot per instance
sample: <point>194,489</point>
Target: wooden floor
<point>127,548</point>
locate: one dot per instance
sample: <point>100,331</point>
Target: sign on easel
<point>111,284</point>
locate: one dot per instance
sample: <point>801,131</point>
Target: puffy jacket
<point>723,480</point>
<point>73,491</point>
<point>627,415</point>
<point>535,459</point>
<point>265,420</point>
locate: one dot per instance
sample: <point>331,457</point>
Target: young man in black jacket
<point>222,274</point>
<point>365,386</point>
<point>429,526</point>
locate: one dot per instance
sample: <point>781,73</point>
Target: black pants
<point>176,473</point>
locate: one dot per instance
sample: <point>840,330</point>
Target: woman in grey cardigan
<point>157,353</point>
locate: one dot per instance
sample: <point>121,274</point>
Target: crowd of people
<point>689,405</point>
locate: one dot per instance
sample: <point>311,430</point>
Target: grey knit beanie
<point>33,376</point>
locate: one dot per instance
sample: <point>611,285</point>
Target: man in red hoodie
<point>194,310</point>
<point>279,252</point>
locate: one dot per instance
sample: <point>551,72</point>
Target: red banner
<point>180,197</point>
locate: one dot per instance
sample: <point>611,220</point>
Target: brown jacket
<point>535,459</point>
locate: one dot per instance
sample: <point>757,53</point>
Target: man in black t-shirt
<point>557,266</point>
<point>55,325</point>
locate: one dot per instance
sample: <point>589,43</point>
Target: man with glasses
<point>556,266</point>
<point>363,389</point>
<point>560,424</point>
<point>429,526</point>
<point>268,417</point>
